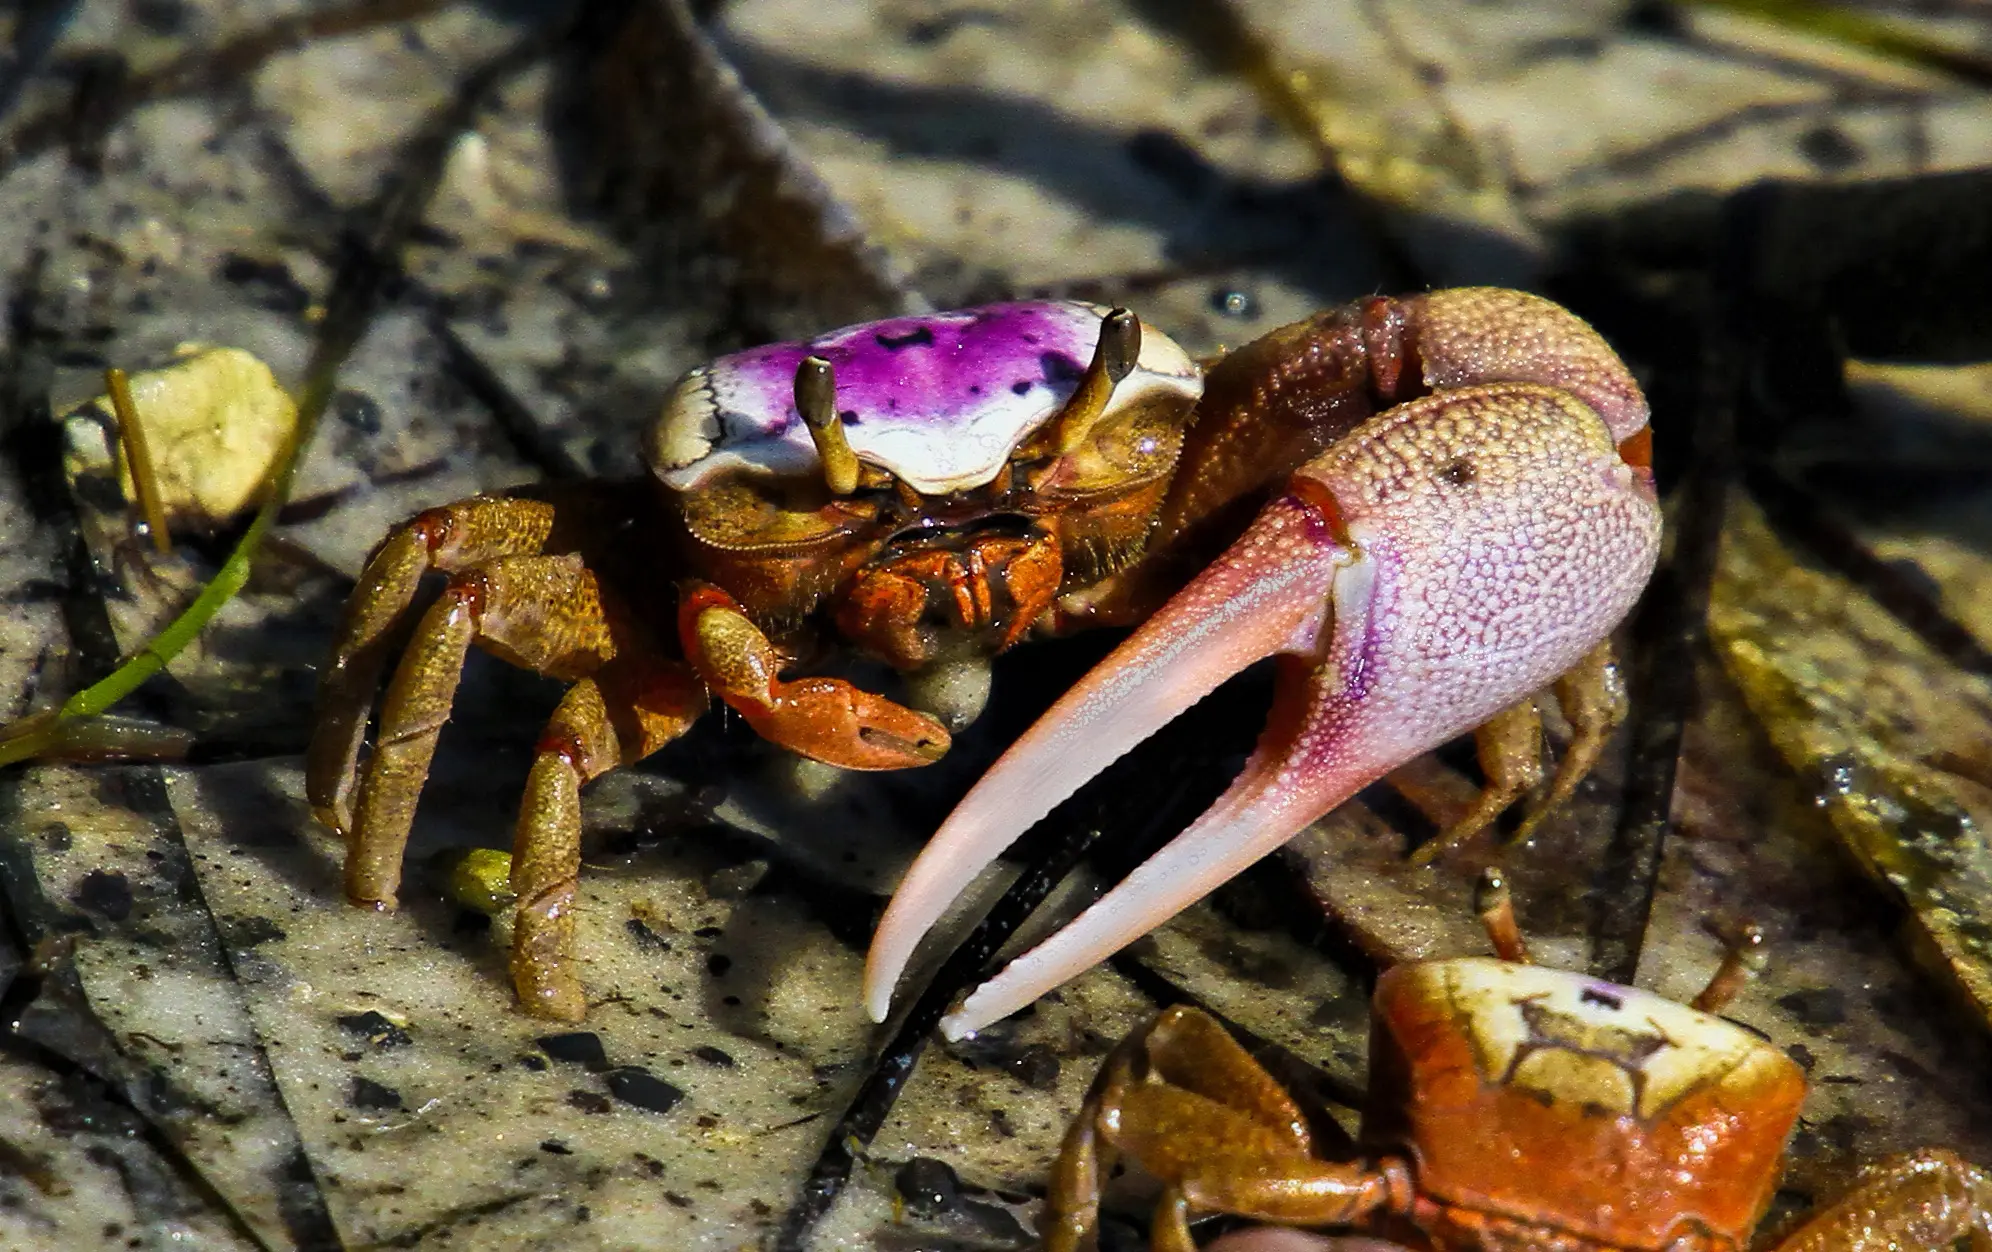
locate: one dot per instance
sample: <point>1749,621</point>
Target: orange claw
<point>824,718</point>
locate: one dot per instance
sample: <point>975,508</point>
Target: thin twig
<point>138,458</point>
<point>1669,633</point>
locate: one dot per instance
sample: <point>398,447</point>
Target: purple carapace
<point>939,400</point>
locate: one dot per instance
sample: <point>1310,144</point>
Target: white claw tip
<point>954,1029</point>
<point>878,1004</point>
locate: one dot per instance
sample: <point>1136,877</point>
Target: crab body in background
<point>1509,1106</point>
<point>929,491</point>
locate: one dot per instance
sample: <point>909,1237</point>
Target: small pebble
<point>1233,302</point>
<point>645,1090</point>
<point>375,1029</point>
<point>928,1186</point>
<point>106,893</point>
<point>1036,1066</point>
<point>732,882</point>
<point>372,1096</point>
<point>578,1047</point>
<point>645,937</point>
<point>589,1101</point>
<point>1816,1006</point>
<point>247,932</point>
<point>357,410</point>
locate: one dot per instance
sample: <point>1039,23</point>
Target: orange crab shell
<point>1563,1103</point>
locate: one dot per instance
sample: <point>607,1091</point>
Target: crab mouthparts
<point>1281,589</point>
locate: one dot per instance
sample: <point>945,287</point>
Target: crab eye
<point>1126,448</point>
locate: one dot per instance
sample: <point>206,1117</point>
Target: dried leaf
<point>1861,707</point>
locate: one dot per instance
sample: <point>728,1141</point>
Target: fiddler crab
<point>1430,508</point>
<point>1509,1107</point>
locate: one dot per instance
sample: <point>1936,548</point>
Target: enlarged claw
<point>1451,556</point>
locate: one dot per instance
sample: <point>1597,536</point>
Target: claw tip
<point>954,1029</point>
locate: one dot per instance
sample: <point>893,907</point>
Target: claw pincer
<point>1449,558</point>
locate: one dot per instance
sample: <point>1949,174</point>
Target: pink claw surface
<point>1452,556</point>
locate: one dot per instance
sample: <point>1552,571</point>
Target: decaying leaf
<point>1844,692</point>
<point>216,420</point>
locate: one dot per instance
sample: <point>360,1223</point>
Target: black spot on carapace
<point>923,337</point>
<point>975,389</point>
<point>1594,996</point>
<point>1459,472</point>
<point>848,416</point>
<point>1022,387</point>
<point>1059,368</point>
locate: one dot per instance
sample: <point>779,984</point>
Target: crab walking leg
<point>1220,1159</point>
<point>1188,1048</point>
<point>1086,1157</point>
<point>1926,1199</point>
<point>1473,544</point>
<point>631,707</point>
<point>448,539</point>
<point>1594,701</point>
<point>541,612</point>
<point>1509,747</point>
<point>1199,1105</point>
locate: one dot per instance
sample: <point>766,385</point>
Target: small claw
<point>1452,556</point>
<point>838,724</point>
<point>824,718</point>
